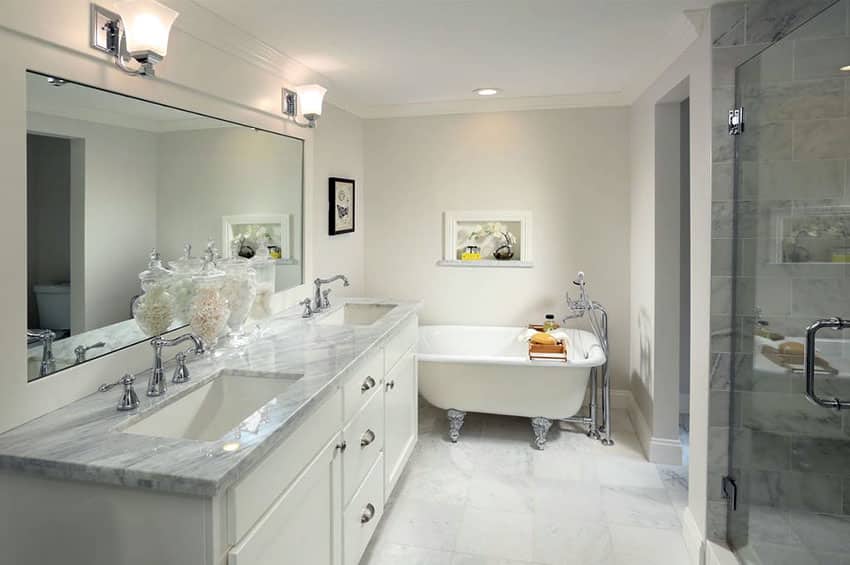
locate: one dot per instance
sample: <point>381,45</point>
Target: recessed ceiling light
<point>487,91</point>
<point>845,68</point>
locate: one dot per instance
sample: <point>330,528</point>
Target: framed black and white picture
<point>341,211</point>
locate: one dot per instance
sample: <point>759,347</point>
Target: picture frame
<point>341,205</point>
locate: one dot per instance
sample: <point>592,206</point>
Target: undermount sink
<point>353,314</point>
<point>230,401</point>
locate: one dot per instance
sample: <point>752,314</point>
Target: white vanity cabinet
<point>314,499</point>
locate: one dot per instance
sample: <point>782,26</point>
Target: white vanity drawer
<point>248,499</point>
<point>365,379</point>
<point>364,441</point>
<point>404,339</point>
<point>362,516</point>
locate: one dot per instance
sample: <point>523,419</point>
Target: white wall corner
<point>662,451</point>
<point>697,18</point>
<point>693,538</point>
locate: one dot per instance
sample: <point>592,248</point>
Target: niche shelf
<point>488,230</point>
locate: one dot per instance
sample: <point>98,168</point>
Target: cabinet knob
<point>367,438</point>
<point>368,514</point>
<point>390,385</point>
<point>368,384</point>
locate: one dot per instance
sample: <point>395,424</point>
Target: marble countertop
<point>83,441</point>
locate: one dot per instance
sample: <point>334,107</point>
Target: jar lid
<point>550,316</point>
<point>209,271</point>
<point>155,270</point>
<point>187,263</point>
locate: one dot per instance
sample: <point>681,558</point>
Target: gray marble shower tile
<point>822,531</point>
<point>718,447</point>
<point>788,414</point>
<point>719,404</point>
<point>811,492</point>
<point>721,367</point>
<point>721,296</point>
<point>722,253</point>
<point>823,455</point>
<point>767,451</point>
<point>773,64</point>
<point>769,20</point>
<point>722,179</point>
<point>770,295</point>
<point>821,58</point>
<point>822,139</point>
<point>771,525</point>
<point>716,523</point>
<point>793,180</point>
<point>724,60</point>
<point>776,554</point>
<point>767,141</point>
<point>723,144</point>
<point>728,24</point>
<point>722,219</point>
<point>815,298</point>
<point>803,100</point>
<point>721,331</point>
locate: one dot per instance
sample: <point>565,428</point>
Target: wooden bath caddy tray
<point>794,363</point>
<point>539,352</point>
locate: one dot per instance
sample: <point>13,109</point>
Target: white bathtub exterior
<point>487,369</point>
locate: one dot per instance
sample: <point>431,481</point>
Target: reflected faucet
<point>321,302</point>
<point>81,350</point>
<point>46,337</point>
<point>156,383</point>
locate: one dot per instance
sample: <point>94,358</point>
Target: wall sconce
<point>309,97</point>
<point>139,31</point>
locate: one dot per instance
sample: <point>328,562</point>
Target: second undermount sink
<point>354,314</point>
<point>232,400</point>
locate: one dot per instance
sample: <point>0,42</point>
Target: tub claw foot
<point>541,428</point>
<point>456,418</point>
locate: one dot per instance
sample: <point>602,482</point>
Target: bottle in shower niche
<point>549,324</point>
<point>210,311</point>
<point>153,310</point>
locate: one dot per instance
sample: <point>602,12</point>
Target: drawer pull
<point>368,514</point>
<point>368,384</point>
<point>367,438</point>
<point>390,385</point>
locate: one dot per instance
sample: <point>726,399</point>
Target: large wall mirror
<point>112,178</point>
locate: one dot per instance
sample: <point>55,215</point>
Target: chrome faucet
<point>156,383</point>
<point>46,337</point>
<point>81,350</point>
<point>308,309</point>
<point>321,302</point>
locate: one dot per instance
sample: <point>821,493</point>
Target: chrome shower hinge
<point>736,121</point>
<point>730,491</point>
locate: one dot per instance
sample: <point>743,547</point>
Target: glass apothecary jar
<point>153,310</point>
<point>240,290</point>
<point>182,286</point>
<point>264,266</point>
<point>210,311</point>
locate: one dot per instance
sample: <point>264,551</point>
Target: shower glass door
<point>789,456</point>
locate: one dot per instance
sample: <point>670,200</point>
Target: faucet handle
<point>181,372</point>
<point>308,309</point>
<point>325,302</point>
<point>129,399</point>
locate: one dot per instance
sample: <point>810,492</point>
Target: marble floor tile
<point>394,554</point>
<point>496,533</point>
<point>645,507</point>
<point>420,523</point>
<point>469,559</point>
<point>620,473</point>
<point>647,546</point>
<point>572,540</point>
<point>563,498</point>
<point>501,492</point>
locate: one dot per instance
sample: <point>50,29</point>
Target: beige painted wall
<point>657,394</point>
<point>568,167</point>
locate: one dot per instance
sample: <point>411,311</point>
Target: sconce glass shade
<point>147,25</point>
<point>310,96</point>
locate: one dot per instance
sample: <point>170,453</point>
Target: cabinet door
<point>304,525</point>
<point>401,426</point>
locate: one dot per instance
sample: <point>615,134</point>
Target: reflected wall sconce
<point>138,30</point>
<point>304,101</point>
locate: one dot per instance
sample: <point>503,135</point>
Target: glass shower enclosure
<point>790,402</point>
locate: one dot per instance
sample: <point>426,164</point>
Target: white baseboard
<point>658,450</point>
<point>693,539</point>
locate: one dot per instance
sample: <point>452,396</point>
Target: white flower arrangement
<point>246,243</point>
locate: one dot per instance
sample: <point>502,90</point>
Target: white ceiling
<point>398,57</point>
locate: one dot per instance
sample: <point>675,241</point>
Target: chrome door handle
<point>367,438</point>
<point>811,356</point>
<point>368,514</point>
<point>390,385</point>
<point>368,384</point>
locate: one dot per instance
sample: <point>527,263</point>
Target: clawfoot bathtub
<point>486,369</point>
